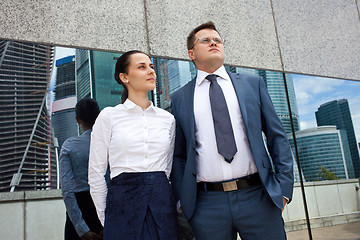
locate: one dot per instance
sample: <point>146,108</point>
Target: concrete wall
<point>40,215</point>
<point>301,36</point>
<point>329,203</point>
<point>32,215</point>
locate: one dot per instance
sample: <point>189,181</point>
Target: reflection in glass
<point>323,147</point>
<point>329,119</point>
<point>171,75</point>
<point>95,77</point>
<point>63,106</point>
<point>322,141</point>
<point>25,132</point>
<point>337,113</point>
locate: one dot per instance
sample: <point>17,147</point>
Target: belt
<point>236,184</point>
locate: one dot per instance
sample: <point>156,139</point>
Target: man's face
<point>207,51</point>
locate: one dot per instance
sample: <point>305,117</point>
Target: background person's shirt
<point>73,168</point>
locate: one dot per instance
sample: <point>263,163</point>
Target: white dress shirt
<point>129,140</point>
<point>211,166</point>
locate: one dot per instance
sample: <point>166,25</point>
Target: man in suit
<point>222,173</point>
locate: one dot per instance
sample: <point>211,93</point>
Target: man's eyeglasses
<point>207,40</point>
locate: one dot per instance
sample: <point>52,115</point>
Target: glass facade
<point>337,113</point>
<point>25,130</point>
<point>63,119</point>
<point>64,125</point>
<point>171,75</point>
<point>65,77</point>
<point>95,77</point>
<point>83,81</point>
<point>323,147</point>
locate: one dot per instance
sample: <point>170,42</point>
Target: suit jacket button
<point>194,174</point>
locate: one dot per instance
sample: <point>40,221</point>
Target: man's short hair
<point>87,110</point>
<point>191,37</point>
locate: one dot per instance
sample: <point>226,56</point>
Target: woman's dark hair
<point>87,110</point>
<point>122,66</point>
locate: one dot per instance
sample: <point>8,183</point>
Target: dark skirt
<point>89,215</point>
<point>140,206</point>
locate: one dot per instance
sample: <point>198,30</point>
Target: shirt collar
<point>87,132</point>
<point>131,105</point>
<point>221,72</point>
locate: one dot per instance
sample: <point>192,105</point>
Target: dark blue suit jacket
<point>259,117</point>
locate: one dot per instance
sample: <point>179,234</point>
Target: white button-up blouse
<point>129,139</point>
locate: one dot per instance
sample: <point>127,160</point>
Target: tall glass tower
<point>171,76</point>
<point>326,147</point>
<point>27,157</point>
<point>63,108</point>
<point>95,77</point>
<point>337,113</point>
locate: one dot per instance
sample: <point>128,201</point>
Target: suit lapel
<point>240,93</point>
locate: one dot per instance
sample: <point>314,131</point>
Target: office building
<point>63,107</point>
<point>26,145</point>
<point>326,147</point>
<point>337,113</point>
<point>171,76</point>
<point>95,77</point>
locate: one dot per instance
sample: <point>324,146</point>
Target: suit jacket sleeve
<point>277,142</point>
<point>179,157</point>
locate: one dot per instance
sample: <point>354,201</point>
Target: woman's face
<point>141,75</point>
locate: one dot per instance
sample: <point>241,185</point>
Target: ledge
<point>324,221</point>
<point>30,195</point>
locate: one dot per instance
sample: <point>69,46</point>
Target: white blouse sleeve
<point>169,158</point>
<point>98,161</point>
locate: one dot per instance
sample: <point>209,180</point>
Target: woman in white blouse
<point>136,140</point>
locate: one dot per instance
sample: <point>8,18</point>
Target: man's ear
<point>191,54</point>
<point>78,120</point>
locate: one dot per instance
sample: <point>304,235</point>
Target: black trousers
<point>89,214</point>
<point>140,206</point>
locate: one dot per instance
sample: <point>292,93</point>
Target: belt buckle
<point>229,186</point>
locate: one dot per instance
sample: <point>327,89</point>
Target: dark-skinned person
<point>81,217</point>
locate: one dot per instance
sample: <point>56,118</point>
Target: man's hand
<point>90,236</point>
<point>285,201</point>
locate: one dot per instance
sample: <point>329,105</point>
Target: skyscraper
<point>27,158</point>
<point>326,147</point>
<point>337,112</point>
<point>95,77</point>
<point>63,108</point>
<point>171,76</point>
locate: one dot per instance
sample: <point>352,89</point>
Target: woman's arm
<point>98,161</point>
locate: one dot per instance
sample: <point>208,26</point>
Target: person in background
<point>81,218</point>
<point>136,139</point>
<point>222,173</point>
